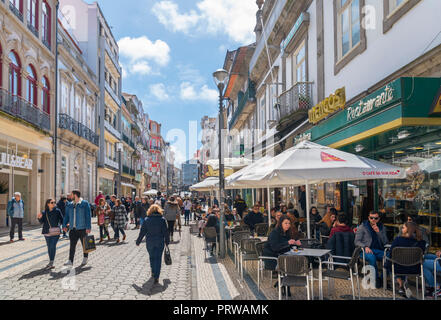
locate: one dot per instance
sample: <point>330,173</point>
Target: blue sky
<point>169,50</point>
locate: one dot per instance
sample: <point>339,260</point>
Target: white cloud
<point>159,91</point>
<point>180,157</point>
<point>190,92</point>
<point>167,14</point>
<point>141,67</point>
<point>140,53</point>
<point>236,18</point>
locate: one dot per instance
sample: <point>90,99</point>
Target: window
<point>394,10</point>
<point>349,36</point>
<point>46,23</point>
<point>64,98</point>
<point>14,75</point>
<point>45,97</point>
<point>31,86</point>
<point>78,106</point>
<point>299,64</point>
<point>33,14</point>
<point>348,26</point>
<point>394,4</point>
<point>63,175</point>
<point>17,4</point>
<point>262,114</point>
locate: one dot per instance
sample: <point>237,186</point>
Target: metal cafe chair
<point>407,257</point>
<point>293,271</point>
<point>247,252</point>
<point>210,237</point>
<point>350,269</point>
<point>261,229</point>
<point>236,229</point>
<point>236,239</point>
<point>261,263</point>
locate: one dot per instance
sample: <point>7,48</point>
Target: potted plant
<point>3,202</point>
<point>304,102</point>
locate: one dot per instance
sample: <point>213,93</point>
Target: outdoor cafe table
<point>313,253</point>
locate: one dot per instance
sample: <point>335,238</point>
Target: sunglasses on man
<point>374,218</point>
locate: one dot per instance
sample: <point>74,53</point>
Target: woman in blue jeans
<point>429,266</point>
<point>51,219</point>
<point>155,229</point>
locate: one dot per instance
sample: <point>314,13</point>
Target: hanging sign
<point>15,162</point>
<point>328,106</point>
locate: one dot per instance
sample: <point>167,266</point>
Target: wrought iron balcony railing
<point>299,97</point>
<point>111,163</point>
<point>112,130</point>
<point>128,171</point>
<point>128,141</point>
<point>250,96</point>
<point>68,123</point>
<point>20,108</point>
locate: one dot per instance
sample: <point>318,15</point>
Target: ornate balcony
<point>295,100</point>
<point>249,96</point>
<point>68,123</point>
<point>16,11</point>
<point>128,171</point>
<point>111,163</point>
<point>20,108</point>
<point>112,130</point>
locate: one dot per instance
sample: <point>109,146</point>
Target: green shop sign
<point>404,101</point>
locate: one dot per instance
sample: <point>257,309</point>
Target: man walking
<point>78,217</point>
<point>15,210</point>
<point>137,206</point>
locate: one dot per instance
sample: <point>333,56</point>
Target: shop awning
<point>128,185</point>
<point>208,184</point>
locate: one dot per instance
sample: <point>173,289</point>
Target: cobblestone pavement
<point>114,272</point>
<point>122,272</point>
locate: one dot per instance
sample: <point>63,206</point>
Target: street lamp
<point>220,79</point>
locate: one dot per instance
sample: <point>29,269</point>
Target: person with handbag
<point>51,219</point>
<point>102,212</point>
<point>120,219</point>
<point>78,216</point>
<point>155,230</point>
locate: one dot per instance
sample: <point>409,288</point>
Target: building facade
<point>78,143</point>
<point>27,103</point>
<point>369,93</point>
<point>102,55</point>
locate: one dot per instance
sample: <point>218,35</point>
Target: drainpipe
<point>56,99</point>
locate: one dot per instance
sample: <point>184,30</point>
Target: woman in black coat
<point>155,230</point>
<point>279,242</point>
<point>51,217</point>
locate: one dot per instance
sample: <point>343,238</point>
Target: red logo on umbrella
<point>326,157</point>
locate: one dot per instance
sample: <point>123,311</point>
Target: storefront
<point>399,124</point>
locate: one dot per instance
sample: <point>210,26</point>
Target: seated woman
<point>429,266</point>
<point>411,237</point>
<point>328,222</point>
<point>315,219</point>
<point>279,242</point>
<point>276,220</point>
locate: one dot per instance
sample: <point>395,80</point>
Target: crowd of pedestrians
<point>159,217</point>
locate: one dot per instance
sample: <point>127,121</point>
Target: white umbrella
<point>310,163</point>
<point>206,185</point>
<point>151,192</point>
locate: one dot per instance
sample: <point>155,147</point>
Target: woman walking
<point>102,212</point>
<point>120,219</point>
<point>157,236</point>
<point>51,219</point>
<point>171,212</point>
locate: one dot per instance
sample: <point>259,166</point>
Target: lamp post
<point>220,78</point>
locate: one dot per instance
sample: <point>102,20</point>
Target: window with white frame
<point>64,97</point>
<point>63,175</point>
<point>299,64</point>
<point>348,26</point>
<point>394,5</point>
<point>78,105</point>
<point>262,111</point>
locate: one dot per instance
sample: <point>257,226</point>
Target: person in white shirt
<point>187,211</point>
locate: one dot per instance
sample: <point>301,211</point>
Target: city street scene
<point>239,151</point>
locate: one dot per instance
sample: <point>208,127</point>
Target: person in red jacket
<point>340,226</point>
<point>99,197</point>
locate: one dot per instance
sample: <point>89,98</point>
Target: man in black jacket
<point>240,206</point>
<point>253,218</point>
<point>136,212</point>
<point>62,206</point>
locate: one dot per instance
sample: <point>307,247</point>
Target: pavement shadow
<point>150,289</point>
<point>66,272</point>
<point>114,244</point>
<point>4,243</point>
<point>34,274</point>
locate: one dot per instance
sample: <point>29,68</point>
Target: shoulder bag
<point>167,256</point>
<point>53,232</point>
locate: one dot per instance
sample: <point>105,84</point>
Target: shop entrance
<point>21,184</point>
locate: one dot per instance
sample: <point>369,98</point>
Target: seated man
<point>340,225</point>
<point>371,236</point>
<point>253,217</point>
